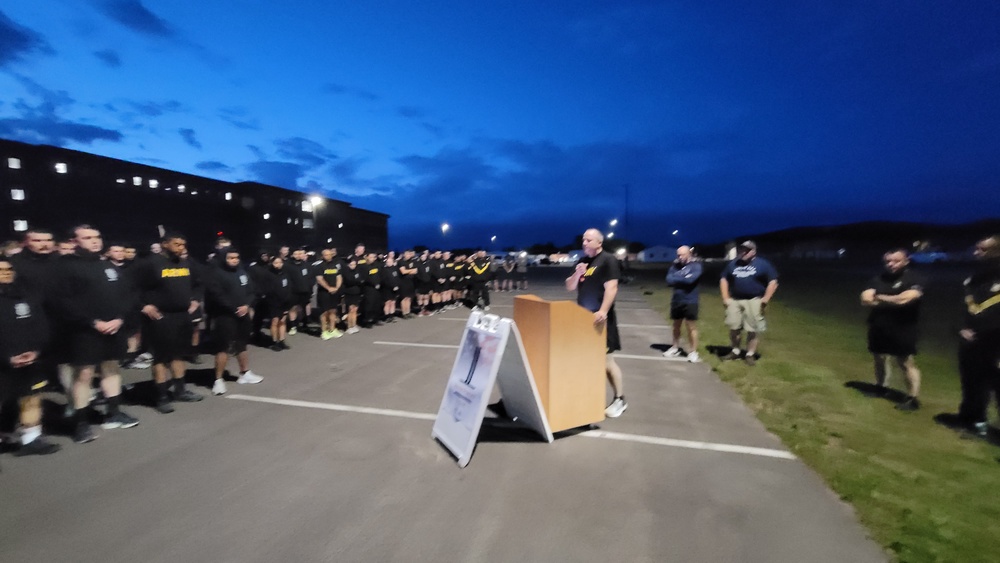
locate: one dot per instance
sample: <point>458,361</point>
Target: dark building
<point>56,188</point>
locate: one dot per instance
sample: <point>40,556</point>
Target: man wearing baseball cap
<point>747,285</point>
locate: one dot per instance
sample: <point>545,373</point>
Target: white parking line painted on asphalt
<point>653,358</point>
<point>617,436</point>
<point>334,407</point>
<point>417,344</point>
<point>670,442</point>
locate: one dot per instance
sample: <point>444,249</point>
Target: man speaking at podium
<point>595,280</point>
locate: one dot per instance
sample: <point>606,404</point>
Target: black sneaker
<point>38,446</point>
<point>751,360</point>
<point>83,434</point>
<point>187,396</point>
<point>284,345</point>
<point>119,420</point>
<point>164,407</point>
<point>276,347</point>
<point>731,356</point>
<point>910,404</point>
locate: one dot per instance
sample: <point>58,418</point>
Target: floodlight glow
<point>613,222</point>
<point>316,201</point>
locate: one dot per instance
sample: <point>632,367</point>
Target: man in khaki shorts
<point>747,285</point>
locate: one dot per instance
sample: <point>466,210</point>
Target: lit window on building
<point>267,216</point>
<point>20,225</point>
<point>229,196</point>
<point>307,223</point>
<point>181,188</point>
<point>154,183</point>
<point>17,194</point>
<point>340,225</point>
<point>296,221</point>
<point>136,180</point>
<point>267,235</point>
<point>289,220</point>
<point>61,168</point>
<point>307,206</point>
<point>120,180</point>
<point>14,163</point>
<point>194,192</point>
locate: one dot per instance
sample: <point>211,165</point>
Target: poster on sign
<point>482,351</point>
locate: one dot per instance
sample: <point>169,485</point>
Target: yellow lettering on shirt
<point>175,273</point>
<point>331,271</point>
<point>373,271</point>
<point>590,271</point>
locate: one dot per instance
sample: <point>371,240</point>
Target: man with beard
<point>93,301</point>
<point>979,349</point>
<point>228,295</point>
<point>169,294</point>
<point>24,334</point>
<point>894,299</point>
<point>36,268</point>
<point>747,285</point>
<point>328,281</point>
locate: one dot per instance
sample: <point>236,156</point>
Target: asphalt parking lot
<point>331,459</point>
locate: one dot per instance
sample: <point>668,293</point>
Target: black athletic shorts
<point>90,348</point>
<point>231,333</point>
<point>614,341</point>
<point>424,287</point>
<point>352,299</point>
<point>685,311</point>
<point>302,299</point>
<point>893,341</point>
<point>21,382</point>
<point>326,301</point>
<point>272,308</point>
<point>406,288</point>
<point>168,338</point>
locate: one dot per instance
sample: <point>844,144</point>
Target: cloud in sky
<point>534,121</point>
<point>109,57</point>
<point>240,118</point>
<point>190,138</point>
<point>18,42</point>
<point>213,166</point>
<point>135,16</point>
<point>340,89</point>
<point>42,122</point>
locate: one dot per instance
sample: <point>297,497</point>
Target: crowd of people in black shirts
<point>74,312</point>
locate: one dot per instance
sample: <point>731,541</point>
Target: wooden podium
<point>566,353</point>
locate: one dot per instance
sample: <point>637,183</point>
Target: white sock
<point>29,434</point>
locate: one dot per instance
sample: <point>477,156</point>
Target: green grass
<point>921,490</point>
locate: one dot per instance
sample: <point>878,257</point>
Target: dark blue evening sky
<point>531,120</point>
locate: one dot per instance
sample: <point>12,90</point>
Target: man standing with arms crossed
<point>683,276</point>
<point>747,285</point>
<point>595,280</point>
<point>894,299</point>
